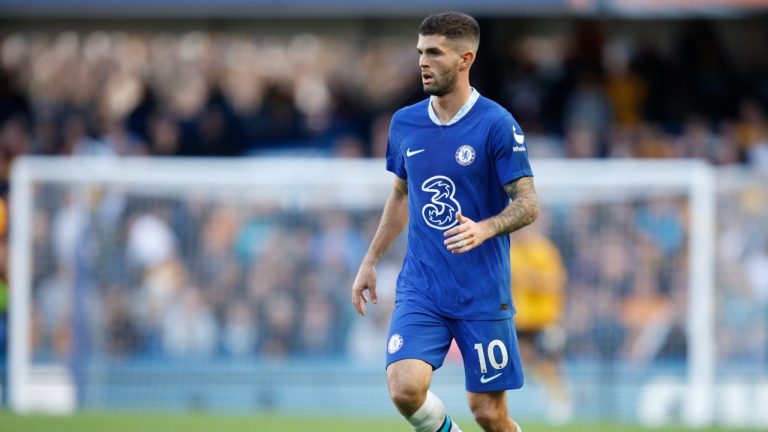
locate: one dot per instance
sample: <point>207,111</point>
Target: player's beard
<point>442,84</point>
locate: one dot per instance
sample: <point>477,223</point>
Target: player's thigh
<point>491,355</point>
<point>417,333</point>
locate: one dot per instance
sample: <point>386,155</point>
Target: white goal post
<point>362,184</point>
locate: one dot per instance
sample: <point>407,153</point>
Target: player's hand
<point>365,280</point>
<point>466,236</point>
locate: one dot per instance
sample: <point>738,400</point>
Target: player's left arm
<point>522,210</point>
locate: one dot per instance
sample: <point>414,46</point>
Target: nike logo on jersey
<point>410,153</point>
<point>519,137</point>
<point>485,380</point>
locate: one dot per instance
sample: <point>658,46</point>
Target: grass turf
<point>123,422</point>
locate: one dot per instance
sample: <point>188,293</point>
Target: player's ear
<point>467,59</point>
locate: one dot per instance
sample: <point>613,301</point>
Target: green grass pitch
<point>103,422</point>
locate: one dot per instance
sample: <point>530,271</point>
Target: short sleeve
<point>510,151</point>
<point>395,161</point>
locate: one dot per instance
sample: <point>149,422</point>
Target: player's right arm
<point>393,220</point>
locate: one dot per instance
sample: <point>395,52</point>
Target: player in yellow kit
<point>538,291</point>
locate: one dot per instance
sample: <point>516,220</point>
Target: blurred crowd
<point>123,275</point>
<point>197,94</point>
<point>583,91</point>
<point>742,276</point>
<point>192,278</point>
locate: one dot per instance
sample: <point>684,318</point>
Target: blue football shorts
<point>488,347</point>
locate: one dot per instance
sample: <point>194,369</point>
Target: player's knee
<point>408,383</point>
<point>406,397</point>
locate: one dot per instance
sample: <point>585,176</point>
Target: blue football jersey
<point>461,166</point>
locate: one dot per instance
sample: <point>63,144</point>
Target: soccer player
<point>463,182</point>
<point>538,290</point>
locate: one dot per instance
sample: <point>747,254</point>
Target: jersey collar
<point>459,115</point>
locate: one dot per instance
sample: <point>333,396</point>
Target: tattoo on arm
<point>521,211</point>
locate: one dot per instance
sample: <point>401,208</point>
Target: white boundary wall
<point>360,184</point>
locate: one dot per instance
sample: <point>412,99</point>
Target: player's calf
<point>492,420</point>
<point>490,412</point>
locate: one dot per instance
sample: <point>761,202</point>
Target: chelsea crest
<point>465,155</point>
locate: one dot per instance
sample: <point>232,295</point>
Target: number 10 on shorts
<point>495,363</point>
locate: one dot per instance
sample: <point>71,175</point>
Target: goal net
<point>224,285</point>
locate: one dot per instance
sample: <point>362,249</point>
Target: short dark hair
<point>452,25</point>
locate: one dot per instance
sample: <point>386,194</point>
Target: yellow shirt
<point>538,281</point>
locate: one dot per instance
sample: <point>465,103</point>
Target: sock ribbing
<point>447,425</point>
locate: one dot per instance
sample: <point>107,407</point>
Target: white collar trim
<point>473,97</point>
